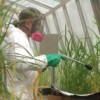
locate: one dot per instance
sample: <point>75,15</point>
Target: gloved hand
<point>53,59</point>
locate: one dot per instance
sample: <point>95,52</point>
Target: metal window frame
<point>46,25</point>
<point>63,2</point>
<point>53,72</point>
<point>96,9</point>
<point>67,19</point>
<point>79,9</point>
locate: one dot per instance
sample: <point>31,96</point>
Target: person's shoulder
<point>12,30</point>
<point>16,34</point>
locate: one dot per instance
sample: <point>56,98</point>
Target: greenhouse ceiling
<point>45,6</point>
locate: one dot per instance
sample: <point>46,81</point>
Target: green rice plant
<point>74,77</point>
<point>6,17</point>
<point>45,78</point>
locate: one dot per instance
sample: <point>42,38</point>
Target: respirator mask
<point>37,29</point>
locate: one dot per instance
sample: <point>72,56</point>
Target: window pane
<point>89,18</point>
<point>75,19</point>
<point>51,3</point>
<point>62,23</point>
<point>24,3</point>
<point>51,24</point>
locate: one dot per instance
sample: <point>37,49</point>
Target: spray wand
<point>85,65</point>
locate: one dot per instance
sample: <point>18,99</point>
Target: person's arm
<point>21,52</point>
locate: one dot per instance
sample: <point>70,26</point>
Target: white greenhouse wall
<point>89,18</point>
<point>51,24</point>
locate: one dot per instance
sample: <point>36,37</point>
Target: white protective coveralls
<point>25,73</point>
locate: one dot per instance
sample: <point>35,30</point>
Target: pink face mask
<point>37,36</point>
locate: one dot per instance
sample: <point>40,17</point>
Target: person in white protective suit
<point>25,67</point>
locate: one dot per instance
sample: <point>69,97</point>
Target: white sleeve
<point>20,51</point>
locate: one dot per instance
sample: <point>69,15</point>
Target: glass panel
<point>51,3</point>
<point>60,15</point>
<point>28,4</point>
<point>51,24</point>
<point>62,23</point>
<point>75,19</point>
<point>41,9</point>
<point>89,18</point>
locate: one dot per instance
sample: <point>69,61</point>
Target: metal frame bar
<point>57,28</point>
<point>56,22</point>
<point>62,45</point>
<point>67,19</point>
<point>69,23</point>
<point>46,25</point>
<point>96,9</point>
<point>57,7</point>
<point>89,42</point>
<point>58,31</point>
